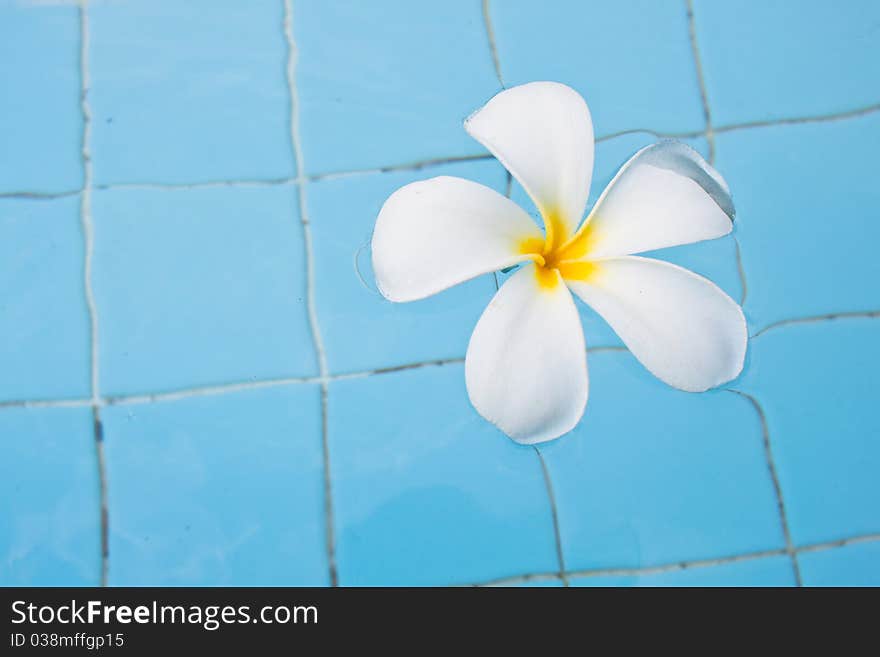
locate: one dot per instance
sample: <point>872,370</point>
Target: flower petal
<point>526,365</point>
<point>433,234</point>
<point>542,132</point>
<point>681,326</point>
<point>665,195</point>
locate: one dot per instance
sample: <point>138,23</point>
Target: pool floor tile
<point>44,353</point>
<point>185,92</point>
<point>856,564</point>
<point>785,72</point>
<point>807,216</point>
<point>653,475</point>
<point>601,49</point>
<point>40,110</point>
<point>342,214</point>
<point>50,521</point>
<point>199,287</point>
<point>764,571</point>
<point>817,384</point>
<point>426,492</point>
<point>155,158</point>
<point>365,104</point>
<point>220,490</point>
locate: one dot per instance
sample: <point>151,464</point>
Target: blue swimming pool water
<point>193,343</point>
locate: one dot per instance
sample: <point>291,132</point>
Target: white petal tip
<point>731,368</point>
<point>682,327</point>
<point>542,437</point>
<point>536,435</point>
<point>526,364</point>
<point>688,162</point>
<point>436,233</point>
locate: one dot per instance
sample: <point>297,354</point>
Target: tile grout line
<point>46,403</point>
<point>39,196</point>
<point>551,498</point>
<point>516,579</point>
<point>439,161</point>
<point>86,199</point>
<point>777,487</point>
<point>292,55</point>
<point>227,388</point>
<point>493,47</point>
<point>435,162</point>
<point>205,391</point>
<point>88,234</point>
<point>644,570</point>
<point>831,117</point>
<point>701,81</point>
<point>829,317</point>
<point>839,543</point>
<point>240,386</point>
<point>682,565</point>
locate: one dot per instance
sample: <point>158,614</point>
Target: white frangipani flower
<point>526,366</point>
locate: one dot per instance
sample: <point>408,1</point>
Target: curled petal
<point>682,327</point>
<point>433,234</point>
<point>665,195</point>
<point>542,132</point>
<point>526,365</point>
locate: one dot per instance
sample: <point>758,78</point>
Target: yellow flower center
<point>559,254</point>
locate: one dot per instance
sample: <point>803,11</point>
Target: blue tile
<point>388,82</point>
<point>199,286</point>
<point>426,491</point>
<point>714,259</point>
<point>653,475</point>
<point>767,571</point>
<point>806,200</point>
<point>803,58</point>
<point>857,564</point>
<point>631,60</point>
<point>343,213</point>
<point>50,527</point>
<point>818,386</point>
<point>44,353</point>
<point>222,490</point>
<point>189,91</point>
<point>40,112</point>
